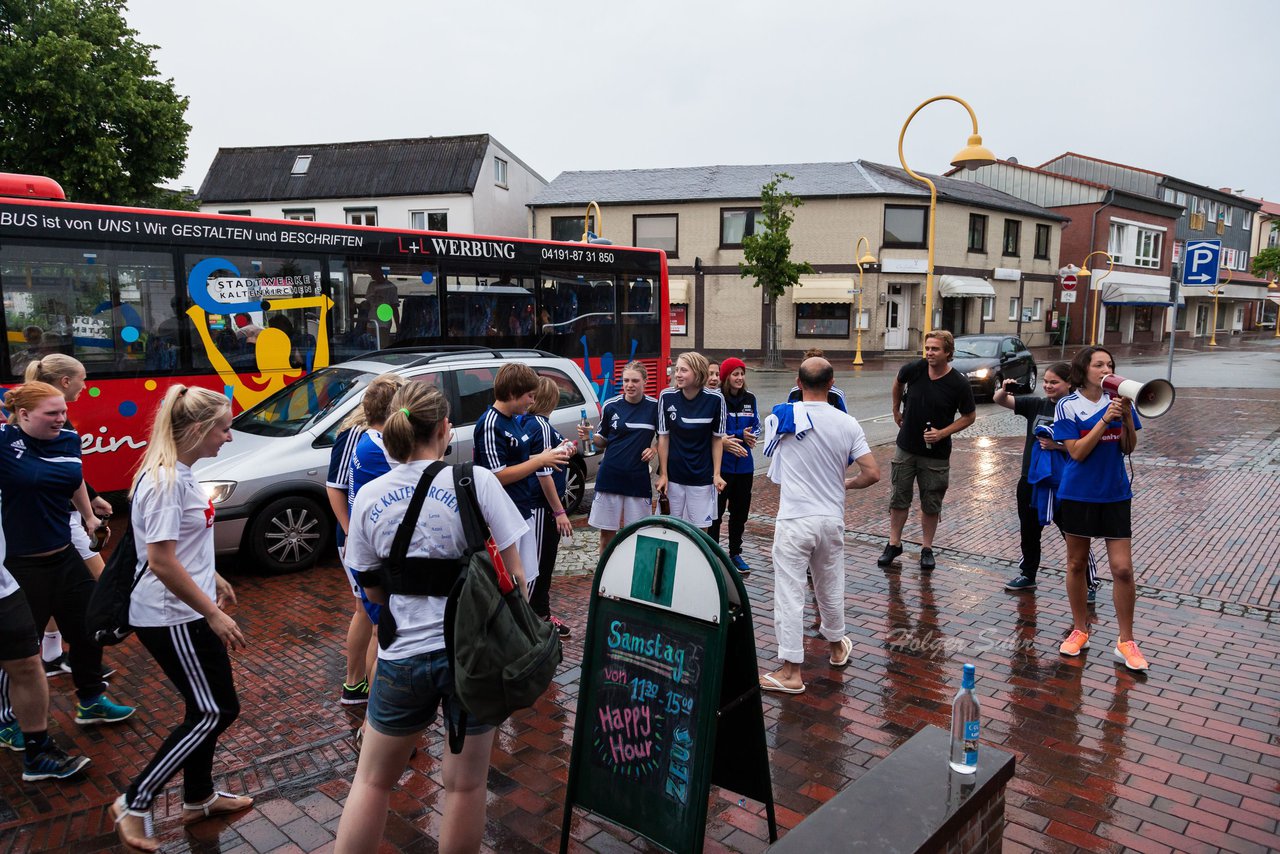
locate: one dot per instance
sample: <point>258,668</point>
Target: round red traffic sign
<point>1069,282</point>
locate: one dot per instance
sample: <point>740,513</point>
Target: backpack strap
<point>477,534</point>
<point>418,576</point>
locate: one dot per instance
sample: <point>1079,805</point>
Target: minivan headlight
<point>218,490</point>
<point>980,374</point>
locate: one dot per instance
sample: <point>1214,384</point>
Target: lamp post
<point>1097,300</point>
<point>867,258</point>
<point>1275,283</point>
<point>973,155</point>
<point>1217,292</point>
<point>586,222</point>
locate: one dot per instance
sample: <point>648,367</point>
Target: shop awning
<point>964,286</point>
<point>811,290</point>
<point>1136,289</point>
<point>678,291</point>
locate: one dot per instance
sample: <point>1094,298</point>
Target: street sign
<point>1203,257</point>
<point>1069,282</point>
<point>1069,296</point>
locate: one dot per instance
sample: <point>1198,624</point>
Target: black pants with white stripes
<point>544,523</point>
<point>196,662</point>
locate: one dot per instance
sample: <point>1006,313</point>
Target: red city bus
<point>145,298</point>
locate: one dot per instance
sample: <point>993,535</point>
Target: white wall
<point>392,212</point>
<point>504,209</point>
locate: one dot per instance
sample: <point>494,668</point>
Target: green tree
<point>81,102</point>
<point>768,256</point>
<point>1266,264</point>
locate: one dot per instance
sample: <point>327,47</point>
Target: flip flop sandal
<point>846,647</point>
<point>118,810</point>
<point>769,682</point>
<point>208,810</point>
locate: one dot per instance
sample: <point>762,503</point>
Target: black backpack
<point>106,618</point>
<point>502,654</point>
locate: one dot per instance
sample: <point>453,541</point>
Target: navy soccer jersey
<point>339,477</point>
<point>38,477</point>
<point>368,461</point>
<point>500,441</point>
<point>542,436</point>
<point>1099,478</point>
<point>690,426</point>
<point>629,428</point>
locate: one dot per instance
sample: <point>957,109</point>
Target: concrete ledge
<point>912,802</point>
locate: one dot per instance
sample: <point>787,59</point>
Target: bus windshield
<point>304,403</point>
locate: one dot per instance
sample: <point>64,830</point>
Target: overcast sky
<point>1179,87</point>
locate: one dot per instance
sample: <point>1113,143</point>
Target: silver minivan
<point>268,484</point>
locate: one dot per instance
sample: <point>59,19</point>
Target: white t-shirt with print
<point>811,469</point>
<point>181,512</point>
<point>8,584</point>
<point>377,513</point>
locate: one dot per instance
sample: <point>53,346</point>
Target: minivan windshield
<point>302,404</point>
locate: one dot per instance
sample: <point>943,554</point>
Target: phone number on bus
<point>556,253</point>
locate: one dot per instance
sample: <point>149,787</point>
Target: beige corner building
<point>995,256</point>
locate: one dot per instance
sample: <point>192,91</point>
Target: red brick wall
<point>982,834</point>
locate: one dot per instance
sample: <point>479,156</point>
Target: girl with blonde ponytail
<point>177,609</point>
<point>414,676</point>
<point>67,375</point>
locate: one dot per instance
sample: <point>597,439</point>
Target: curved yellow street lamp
<point>1097,298</point>
<point>1217,292</point>
<point>867,258</point>
<point>586,221</point>
<point>973,155</point>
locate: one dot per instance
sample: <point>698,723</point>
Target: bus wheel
<point>289,534</point>
<point>575,485</point>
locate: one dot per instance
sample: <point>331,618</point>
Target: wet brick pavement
<point>1185,759</point>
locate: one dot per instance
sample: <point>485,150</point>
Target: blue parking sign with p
<point>1201,265</point>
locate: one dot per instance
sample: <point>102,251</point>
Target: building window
<point>822,320</point>
<point>569,228</point>
<point>1246,220</point>
<point>1168,194</point>
<point>301,164</point>
<point>1113,319</point>
<point>1013,308</point>
<point>1147,251</point>
<point>1228,214</point>
<point>737,223</point>
<point>429,220</point>
<point>361,216</point>
<point>1180,319</point>
<point>905,227</point>
<point>300,214</point>
<point>656,231</point>
<point>1037,308</point>
<point>1142,318</point>
<point>1115,243</point>
<point>977,232</point>
<point>1012,237</point>
<point>1042,241</point>
<point>244,212</point>
<point>499,171</point>
<point>988,308</point>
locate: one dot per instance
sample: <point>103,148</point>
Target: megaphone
<point>1152,399</point>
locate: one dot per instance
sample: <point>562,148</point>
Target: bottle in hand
<point>928,425</point>
<point>589,443</point>
<point>965,726</point>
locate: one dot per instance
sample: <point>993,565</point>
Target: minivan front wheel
<point>289,534</point>
<point>575,484</point>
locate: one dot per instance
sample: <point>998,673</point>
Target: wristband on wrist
<point>559,513</point>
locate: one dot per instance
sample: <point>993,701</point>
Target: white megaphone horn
<point>1152,399</point>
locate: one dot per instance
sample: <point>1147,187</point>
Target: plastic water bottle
<point>964,726</point>
<point>588,444</point>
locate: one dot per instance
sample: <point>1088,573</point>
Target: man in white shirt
<point>810,464</point>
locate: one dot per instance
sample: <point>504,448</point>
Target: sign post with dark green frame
<point>669,702</point>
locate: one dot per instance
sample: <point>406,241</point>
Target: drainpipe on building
<point>1093,234</point>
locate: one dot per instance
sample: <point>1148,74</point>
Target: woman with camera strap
<point>414,677</point>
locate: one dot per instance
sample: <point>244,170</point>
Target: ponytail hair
<point>28,396</point>
<point>52,369</point>
<point>376,402</point>
<point>417,411</point>
<point>185,417</point>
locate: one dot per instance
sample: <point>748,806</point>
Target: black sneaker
<point>889,555</point>
<point>561,629</point>
<point>355,695</point>
<point>927,563</point>
<point>1020,583</point>
<point>57,666</point>
<point>51,762</point>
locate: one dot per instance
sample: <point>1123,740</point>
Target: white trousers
<point>815,545</point>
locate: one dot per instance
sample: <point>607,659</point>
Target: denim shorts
<point>407,691</point>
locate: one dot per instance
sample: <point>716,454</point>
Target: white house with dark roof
<point>996,256</point>
<point>470,184</point>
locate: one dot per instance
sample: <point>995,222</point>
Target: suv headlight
<point>980,374</point>
<point>219,490</point>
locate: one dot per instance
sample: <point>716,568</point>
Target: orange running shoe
<point>1075,642</point>
<point>1132,658</point>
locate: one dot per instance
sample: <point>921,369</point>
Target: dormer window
<point>301,164</point>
